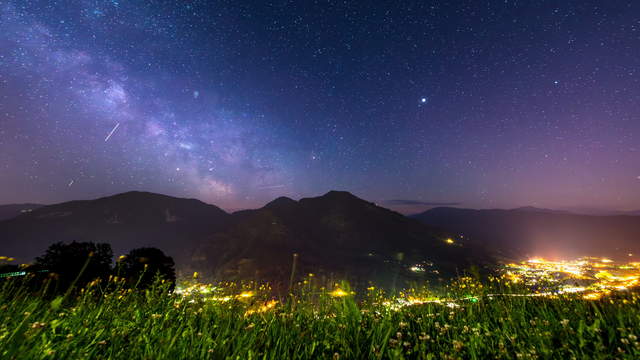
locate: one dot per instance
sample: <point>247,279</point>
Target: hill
<point>126,221</point>
<point>335,235</point>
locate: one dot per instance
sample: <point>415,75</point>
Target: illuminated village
<point>591,276</point>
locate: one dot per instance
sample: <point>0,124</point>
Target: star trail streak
<point>111,132</point>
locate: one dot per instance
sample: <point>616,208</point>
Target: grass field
<point>234,322</point>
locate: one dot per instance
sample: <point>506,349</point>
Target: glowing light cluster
<point>338,293</point>
<point>588,278</point>
<point>262,308</point>
<point>595,277</point>
<point>195,289</point>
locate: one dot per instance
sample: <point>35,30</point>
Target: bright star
<point>423,100</point>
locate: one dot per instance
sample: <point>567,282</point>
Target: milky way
<point>408,104</point>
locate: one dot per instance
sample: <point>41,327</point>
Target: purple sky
<point>479,104</point>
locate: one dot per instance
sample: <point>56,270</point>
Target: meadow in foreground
<point>234,322</point>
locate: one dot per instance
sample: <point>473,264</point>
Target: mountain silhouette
<point>519,233</point>
<point>126,221</point>
<point>336,235</point>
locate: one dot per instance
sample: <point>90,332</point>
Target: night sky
<point>409,104</point>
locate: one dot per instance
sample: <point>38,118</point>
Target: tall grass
<point>108,321</point>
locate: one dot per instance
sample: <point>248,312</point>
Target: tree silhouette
<point>142,265</point>
<point>84,261</point>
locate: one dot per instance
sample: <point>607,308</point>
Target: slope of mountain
<point>12,210</point>
<point>126,221</point>
<point>335,235</point>
<point>518,233</point>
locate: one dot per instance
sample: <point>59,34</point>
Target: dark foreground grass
<point>125,324</point>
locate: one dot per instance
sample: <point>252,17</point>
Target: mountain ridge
<point>529,208</point>
<point>336,233</point>
<point>126,220</point>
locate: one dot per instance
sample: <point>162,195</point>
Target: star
<point>173,102</point>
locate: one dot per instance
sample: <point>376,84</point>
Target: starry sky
<point>410,104</point>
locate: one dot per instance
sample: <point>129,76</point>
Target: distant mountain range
<point>336,235</point>
<point>580,211</point>
<point>540,232</point>
<point>600,212</point>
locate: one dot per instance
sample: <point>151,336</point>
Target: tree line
<point>77,264</point>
